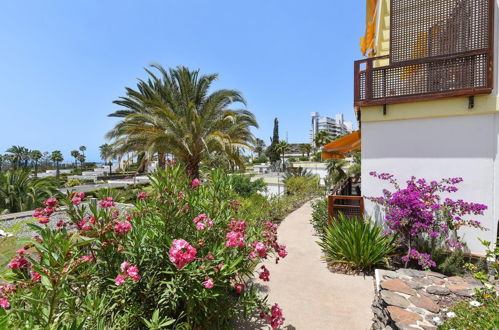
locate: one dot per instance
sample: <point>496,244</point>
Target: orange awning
<point>367,41</point>
<point>342,147</point>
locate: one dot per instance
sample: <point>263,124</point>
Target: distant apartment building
<point>334,126</point>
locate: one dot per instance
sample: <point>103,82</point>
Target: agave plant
<point>357,242</point>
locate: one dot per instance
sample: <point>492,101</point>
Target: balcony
<point>438,49</point>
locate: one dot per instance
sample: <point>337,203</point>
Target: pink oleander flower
<point>239,288</point>
<point>21,251</point>
<point>252,255</point>
<point>282,251</point>
<point>81,195</point>
<point>128,217</point>
<point>265,275</point>
<point>202,221</point>
<point>195,183</point>
<point>261,249</point>
<point>4,303</point>
<point>106,203</point>
<point>84,225</point>
<point>275,317</point>
<point>119,280</point>
<point>51,202</point>
<point>208,284</point>
<point>60,223</point>
<point>124,266</point>
<point>234,239</point>
<point>76,201</point>
<point>18,262</point>
<point>122,228</point>
<point>35,277</point>
<point>142,195</point>
<point>87,258</point>
<point>132,271</point>
<point>181,253</point>
<point>43,220</point>
<point>238,226</point>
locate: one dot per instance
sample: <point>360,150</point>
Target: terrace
<point>437,49</point>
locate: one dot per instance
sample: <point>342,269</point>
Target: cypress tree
<point>272,153</point>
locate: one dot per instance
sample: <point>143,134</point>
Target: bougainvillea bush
<point>418,211</point>
<point>180,258</point>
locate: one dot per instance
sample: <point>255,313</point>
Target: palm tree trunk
<point>36,168</point>
<point>161,160</point>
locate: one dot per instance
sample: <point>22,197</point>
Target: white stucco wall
<point>433,149</point>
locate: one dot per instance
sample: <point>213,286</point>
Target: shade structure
<point>342,147</point>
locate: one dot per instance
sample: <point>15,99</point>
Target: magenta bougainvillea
<point>419,210</point>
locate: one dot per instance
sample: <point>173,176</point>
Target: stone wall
<point>412,299</point>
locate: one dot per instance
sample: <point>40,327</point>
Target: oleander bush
<point>319,216</point>
<point>180,258</point>
<point>356,242</point>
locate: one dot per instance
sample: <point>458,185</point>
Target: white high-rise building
<point>334,126</point>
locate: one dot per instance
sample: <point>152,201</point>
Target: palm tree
<point>305,149</point>
<point>35,156</point>
<point>81,159</point>
<point>106,154</point>
<point>2,160</point>
<point>259,146</point>
<point>322,138</point>
<point>175,114</point>
<point>18,154</point>
<point>335,169</point>
<point>20,192</point>
<point>82,149</point>
<point>75,154</point>
<point>56,157</point>
<point>282,147</point>
<point>355,168</point>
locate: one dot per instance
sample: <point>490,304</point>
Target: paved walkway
<point>310,295</point>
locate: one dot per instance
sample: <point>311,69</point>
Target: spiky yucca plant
<point>357,242</point>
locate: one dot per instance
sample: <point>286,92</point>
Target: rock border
<point>413,299</point>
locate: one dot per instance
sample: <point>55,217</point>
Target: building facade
<point>427,103</point>
<point>334,126</point>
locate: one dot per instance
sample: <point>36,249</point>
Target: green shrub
<point>76,277</point>
<point>357,242</point>
<point>260,160</point>
<point>303,159</point>
<point>319,215</point>
<point>72,183</point>
<point>302,185</point>
<point>244,186</point>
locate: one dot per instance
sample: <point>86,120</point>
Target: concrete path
<point>310,296</point>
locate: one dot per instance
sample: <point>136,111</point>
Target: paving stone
<point>417,310</point>
<point>397,285</point>
<point>407,326</point>
<point>461,289</point>
<point>411,272</point>
<point>394,299</point>
<point>439,290</point>
<point>455,279</point>
<point>430,273</point>
<point>425,303</point>
<point>403,316</point>
<point>428,327</point>
<point>423,281</point>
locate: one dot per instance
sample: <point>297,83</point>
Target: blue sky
<point>64,62</point>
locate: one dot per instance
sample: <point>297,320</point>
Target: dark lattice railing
<point>438,48</point>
